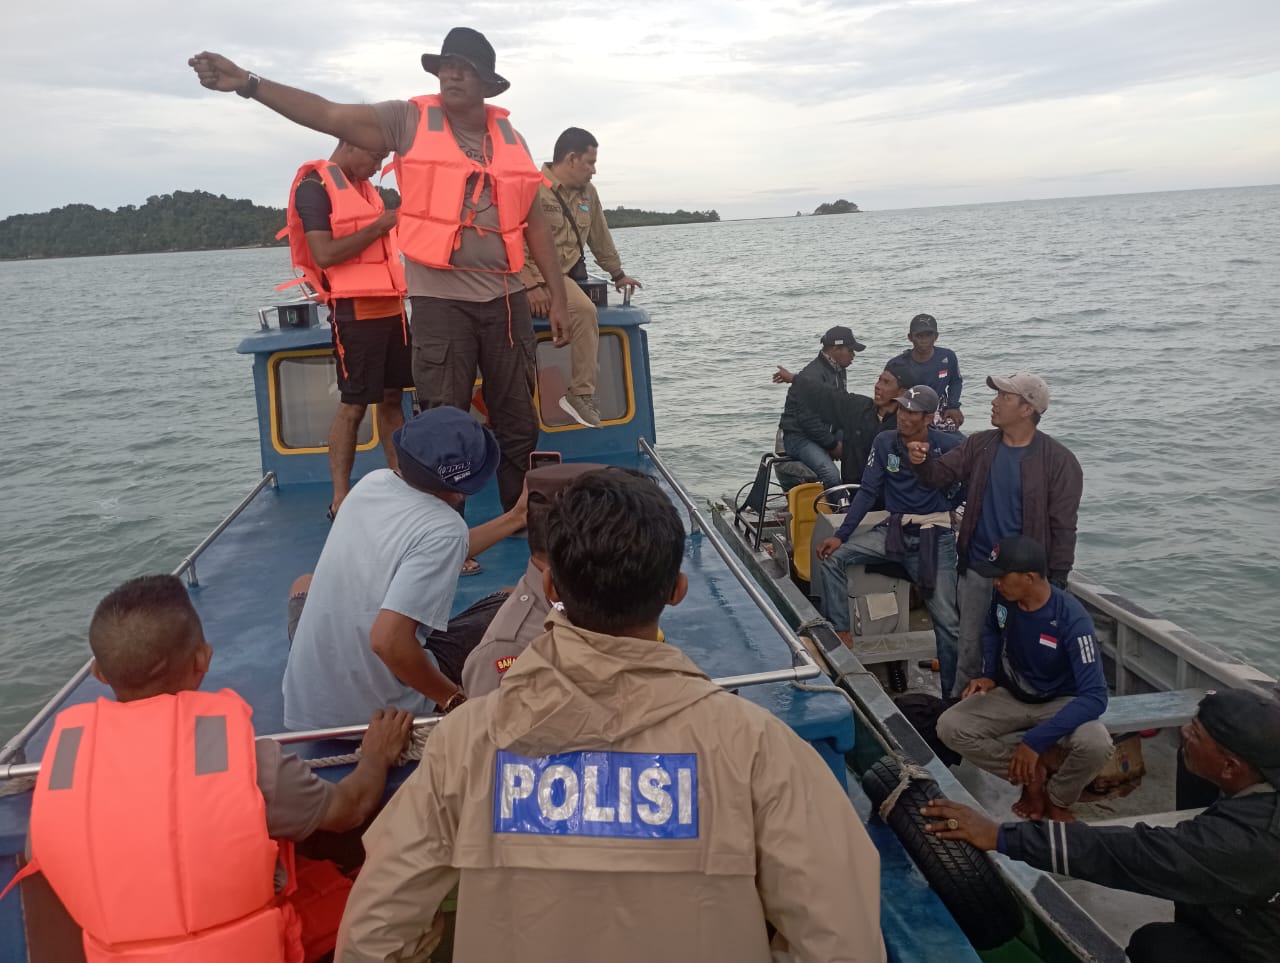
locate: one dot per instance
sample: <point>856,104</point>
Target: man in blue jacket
<point>1042,678</point>
<point>917,532</point>
<point>806,435</point>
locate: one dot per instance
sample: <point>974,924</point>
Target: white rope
<point>909,772</point>
<point>412,752</point>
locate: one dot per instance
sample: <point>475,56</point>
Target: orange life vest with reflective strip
<point>149,825</point>
<point>373,273</point>
<point>432,178</point>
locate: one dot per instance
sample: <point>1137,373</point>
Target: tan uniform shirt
<point>520,620</point>
<point>588,215</point>
<point>672,822</point>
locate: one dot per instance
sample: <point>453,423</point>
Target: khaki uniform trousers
<point>987,728</point>
<point>584,340</point>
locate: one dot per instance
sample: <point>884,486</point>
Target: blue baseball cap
<point>446,450</point>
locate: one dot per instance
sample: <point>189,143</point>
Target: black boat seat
<point>1151,710</point>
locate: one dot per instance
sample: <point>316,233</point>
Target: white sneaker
<point>582,409</point>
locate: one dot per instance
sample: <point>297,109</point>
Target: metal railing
<point>13,749</point>
<point>806,668</point>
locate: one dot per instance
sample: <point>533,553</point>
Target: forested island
<point>837,207</point>
<point>634,217</point>
<point>197,221</point>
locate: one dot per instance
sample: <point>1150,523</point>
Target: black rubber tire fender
<point>963,876</point>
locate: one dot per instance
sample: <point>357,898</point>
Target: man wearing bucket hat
<point>1021,482</point>
<point>1221,869</point>
<point>468,189</point>
<point>388,569</point>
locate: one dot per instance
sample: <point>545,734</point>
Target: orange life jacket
<point>374,272</point>
<point>149,825</point>
<point>432,178</point>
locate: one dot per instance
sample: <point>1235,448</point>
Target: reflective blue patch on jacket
<point>630,795</point>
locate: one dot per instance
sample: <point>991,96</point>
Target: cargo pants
<point>452,340</point>
<point>986,729</point>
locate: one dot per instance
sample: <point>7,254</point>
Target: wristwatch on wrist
<point>250,88</point>
<point>455,700</point>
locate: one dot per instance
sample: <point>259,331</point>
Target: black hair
<point>900,371</point>
<point>615,543</point>
<point>141,629</point>
<point>575,140</point>
<point>535,525</point>
<point>1035,417</point>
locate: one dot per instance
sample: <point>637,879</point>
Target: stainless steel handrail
<point>807,669</point>
<point>18,770</point>
<point>188,564</point>
<point>13,748</point>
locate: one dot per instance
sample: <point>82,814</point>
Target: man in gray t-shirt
<point>388,572</point>
<point>474,315</point>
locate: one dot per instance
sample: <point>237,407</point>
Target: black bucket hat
<point>471,46</point>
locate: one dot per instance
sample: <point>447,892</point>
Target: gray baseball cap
<point>1031,388</point>
<point>919,398</point>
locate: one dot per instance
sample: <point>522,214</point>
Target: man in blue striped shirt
<point>1041,678</point>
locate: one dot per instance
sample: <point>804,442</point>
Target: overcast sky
<point>751,108</point>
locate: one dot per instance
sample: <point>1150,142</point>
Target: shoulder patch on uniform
<point>631,795</point>
<point>503,664</point>
<point>1002,615</point>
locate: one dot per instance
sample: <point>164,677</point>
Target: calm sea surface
<point>130,425</point>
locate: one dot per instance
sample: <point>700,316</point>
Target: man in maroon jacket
<point>1020,482</point>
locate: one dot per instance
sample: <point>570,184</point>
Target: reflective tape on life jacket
<point>149,825</point>
<point>432,178</point>
<point>374,272</point>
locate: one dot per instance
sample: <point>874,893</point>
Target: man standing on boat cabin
<point>343,243</point>
<point>469,207</point>
<point>609,801</point>
<point>1221,868</point>
<point>1021,482</point>
<point>572,208</point>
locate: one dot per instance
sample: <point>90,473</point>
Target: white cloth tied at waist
<point>930,520</point>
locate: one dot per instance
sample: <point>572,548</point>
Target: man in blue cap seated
<point>917,532</point>
<point>388,569</point>
<point>1221,869</point>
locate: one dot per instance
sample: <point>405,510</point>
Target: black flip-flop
<point>330,514</point>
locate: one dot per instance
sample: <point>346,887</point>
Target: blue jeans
<point>867,548</point>
<point>814,456</point>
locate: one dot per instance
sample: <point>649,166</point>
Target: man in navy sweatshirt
<point>917,532</point>
<point>1041,677</point>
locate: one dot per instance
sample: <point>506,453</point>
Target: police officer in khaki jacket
<point>609,802</point>
<point>523,615</point>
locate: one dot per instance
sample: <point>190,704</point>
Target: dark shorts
<point>450,647</point>
<point>372,358</point>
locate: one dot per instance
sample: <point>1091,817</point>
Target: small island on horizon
<point>200,221</point>
<point>835,207</point>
